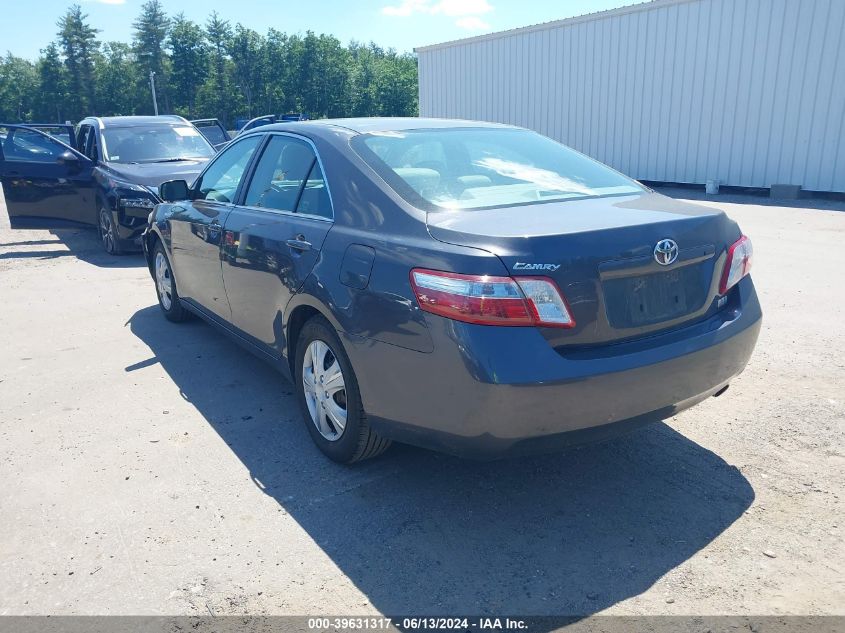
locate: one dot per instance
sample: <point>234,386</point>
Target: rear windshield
<point>481,168</point>
<point>155,144</point>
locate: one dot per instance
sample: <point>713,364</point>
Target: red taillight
<point>737,264</point>
<point>487,300</point>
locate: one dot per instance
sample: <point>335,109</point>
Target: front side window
<point>288,178</point>
<point>154,144</point>
<point>220,181</point>
<point>21,144</point>
<point>82,137</point>
<point>482,168</point>
<point>91,146</point>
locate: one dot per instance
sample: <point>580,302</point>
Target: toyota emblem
<point>666,252</point>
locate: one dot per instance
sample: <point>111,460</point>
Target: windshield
<point>154,144</point>
<point>474,168</point>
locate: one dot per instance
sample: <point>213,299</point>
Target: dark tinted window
<point>288,178</point>
<point>90,147</point>
<point>21,144</point>
<point>82,135</point>
<point>315,198</point>
<point>58,132</point>
<point>213,132</point>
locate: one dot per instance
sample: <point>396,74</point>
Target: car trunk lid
<point>600,252</point>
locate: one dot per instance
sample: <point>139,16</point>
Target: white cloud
<point>407,7</point>
<point>468,12</point>
<point>472,23</point>
<point>456,8</point>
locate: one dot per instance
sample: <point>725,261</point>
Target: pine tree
<point>245,49</point>
<point>18,82</point>
<point>206,70</point>
<point>151,30</point>
<point>189,63</point>
<point>117,81</point>
<point>218,89</point>
<point>52,86</point>
<point>79,44</point>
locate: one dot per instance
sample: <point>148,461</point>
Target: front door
<point>45,182</point>
<point>196,228</point>
<point>273,238</point>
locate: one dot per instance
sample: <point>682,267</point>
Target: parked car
<point>107,177</point>
<point>469,287</point>
<point>213,131</point>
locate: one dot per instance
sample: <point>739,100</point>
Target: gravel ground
<point>153,468</point>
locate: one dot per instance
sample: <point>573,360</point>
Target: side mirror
<point>174,190</point>
<point>68,158</point>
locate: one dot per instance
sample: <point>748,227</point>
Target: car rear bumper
<point>514,393</point>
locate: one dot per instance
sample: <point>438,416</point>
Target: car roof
<point>366,125</point>
<point>137,121</point>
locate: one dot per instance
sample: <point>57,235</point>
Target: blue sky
<point>400,24</point>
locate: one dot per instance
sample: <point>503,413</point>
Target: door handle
<point>299,243</point>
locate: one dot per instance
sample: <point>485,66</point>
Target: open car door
<point>213,131</point>
<point>61,131</point>
<point>46,183</point>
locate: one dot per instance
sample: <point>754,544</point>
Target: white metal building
<point>746,92</point>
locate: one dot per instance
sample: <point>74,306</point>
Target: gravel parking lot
<point>154,468</point>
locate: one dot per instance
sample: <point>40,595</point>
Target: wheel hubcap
<point>325,390</point>
<point>164,281</point>
<point>106,231</point>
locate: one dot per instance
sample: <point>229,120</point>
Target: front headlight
<point>135,200</point>
<point>132,194</point>
<point>117,183</point>
<point>137,203</point>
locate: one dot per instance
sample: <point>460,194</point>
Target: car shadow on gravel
<point>82,243</point>
<point>422,533</point>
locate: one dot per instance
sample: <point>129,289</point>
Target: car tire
<point>108,233</point>
<point>319,346</point>
<point>168,295</point>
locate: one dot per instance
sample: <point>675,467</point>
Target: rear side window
<point>220,181</point>
<point>288,178</point>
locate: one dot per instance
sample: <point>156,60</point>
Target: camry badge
<point>524,266</point>
<point>666,252</point>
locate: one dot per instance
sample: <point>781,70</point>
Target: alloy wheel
<point>164,281</point>
<point>107,232</point>
<point>325,390</point>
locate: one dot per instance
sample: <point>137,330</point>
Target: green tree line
<point>214,69</point>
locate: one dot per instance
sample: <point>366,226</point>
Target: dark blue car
<point>474,288</point>
<point>104,173</point>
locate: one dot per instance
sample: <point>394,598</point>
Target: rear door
<point>272,238</point>
<point>45,182</point>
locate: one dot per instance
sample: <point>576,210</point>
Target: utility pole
<point>153,88</point>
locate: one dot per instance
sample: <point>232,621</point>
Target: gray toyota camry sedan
<point>469,287</point>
